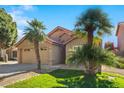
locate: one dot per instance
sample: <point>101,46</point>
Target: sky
<point>61,15</point>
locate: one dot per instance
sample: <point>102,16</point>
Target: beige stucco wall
<point>45,52</point>
<point>49,53</point>
<point>55,35</point>
<point>26,56</point>
<point>73,43</point>
<point>60,36</point>
<point>65,38</point>
<point>57,54</point>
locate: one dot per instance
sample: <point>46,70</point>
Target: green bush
<point>121,60</point>
<point>92,57</point>
<point>119,65</point>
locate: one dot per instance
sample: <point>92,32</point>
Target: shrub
<point>92,57</point>
<point>121,60</point>
<point>119,65</point>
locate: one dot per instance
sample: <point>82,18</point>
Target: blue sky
<point>64,16</point>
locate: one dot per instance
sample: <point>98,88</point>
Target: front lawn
<point>71,79</point>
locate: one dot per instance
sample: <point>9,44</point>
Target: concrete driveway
<point>12,67</point>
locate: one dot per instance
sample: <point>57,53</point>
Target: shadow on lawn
<point>77,79</point>
<point>90,82</point>
<point>66,73</point>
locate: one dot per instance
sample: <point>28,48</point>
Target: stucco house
<point>120,38</point>
<point>8,54</point>
<point>12,53</point>
<point>53,50</point>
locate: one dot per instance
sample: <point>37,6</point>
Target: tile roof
<point>50,40</point>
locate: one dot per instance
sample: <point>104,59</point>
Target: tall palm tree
<point>34,33</point>
<point>93,20</point>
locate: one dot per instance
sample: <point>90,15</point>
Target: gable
<point>60,35</point>
<point>25,44</point>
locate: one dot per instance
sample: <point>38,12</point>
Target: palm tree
<point>34,33</point>
<point>93,20</point>
<point>93,55</point>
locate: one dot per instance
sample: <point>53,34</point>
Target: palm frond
<point>94,20</point>
<point>94,54</point>
<point>35,31</point>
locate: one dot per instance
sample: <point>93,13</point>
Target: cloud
<point>20,34</point>
<point>20,20</point>
<point>18,16</point>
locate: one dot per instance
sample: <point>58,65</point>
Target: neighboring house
<point>53,50</point>
<point>2,54</point>
<point>8,54</point>
<point>12,53</point>
<point>109,45</point>
<point>120,38</point>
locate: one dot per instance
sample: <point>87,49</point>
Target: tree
<point>8,33</point>
<point>34,33</point>
<point>93,20</point>
<point>8,30</point>
<point>93,55</point>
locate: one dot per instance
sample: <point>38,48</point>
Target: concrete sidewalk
<point>112,70</point>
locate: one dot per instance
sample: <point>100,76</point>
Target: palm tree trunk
<point>90,37</point>
<point>91,71</point>
<point>91,68</point>
<point>36,47</point>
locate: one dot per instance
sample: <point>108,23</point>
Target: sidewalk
<point>112,70</point>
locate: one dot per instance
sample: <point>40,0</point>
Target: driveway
<point>12,67</point>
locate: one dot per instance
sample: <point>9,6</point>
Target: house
<point>109,45</point>
<point>120,38</point>
<point>12,53</point>
<point>53,50</point>
<point>8,54</point>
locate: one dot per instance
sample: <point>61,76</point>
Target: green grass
<point>71,79</point>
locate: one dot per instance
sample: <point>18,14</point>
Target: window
<point>26,50</point>
<point>14,53</point>
<point>42,49</point>
<point>76,47</point>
